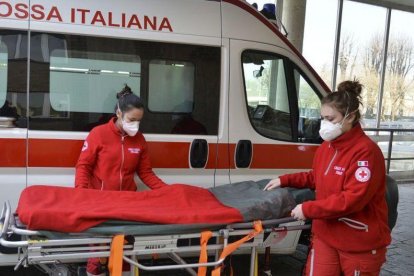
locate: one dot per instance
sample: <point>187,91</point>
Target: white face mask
<point>131,128</point>
<point>330,131</point>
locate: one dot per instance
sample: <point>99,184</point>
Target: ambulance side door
<point>270,101</point>
<point>13,99</point>
<point>73,86</point>
<point>13,106</point>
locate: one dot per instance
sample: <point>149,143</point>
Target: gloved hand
<point>297,213</point>
<point>274,183</point>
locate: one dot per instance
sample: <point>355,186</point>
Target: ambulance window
<point>89,84</point>
<point>171,86</point>
<point>309,110</point>
<point>267,94</point>
<point>74,81</point>
<point>13,78</point>
<point>3,73</point>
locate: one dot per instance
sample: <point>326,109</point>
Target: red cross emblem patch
<point>362,174</point>
<point>85,146</point>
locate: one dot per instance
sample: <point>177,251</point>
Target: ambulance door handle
<point>244,152</point>
<point>198,153</point>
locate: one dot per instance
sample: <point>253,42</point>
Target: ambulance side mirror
<point>258,73</point>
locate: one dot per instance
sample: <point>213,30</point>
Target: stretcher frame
<point>36,249</point>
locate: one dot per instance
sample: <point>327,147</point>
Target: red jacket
<point>348,175</point>
<point>109,160</point>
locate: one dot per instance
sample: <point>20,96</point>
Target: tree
<point>348,54</point>
<point>400,63</point>
<point>372,65</point>
<point>398,80</point>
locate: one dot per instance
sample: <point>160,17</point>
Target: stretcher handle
<point>3,211</point>
<point>9,223</point>
<point>264,223</point>
<point>23,232</point>
<point>288,228</point>
<point>13,244</point>
<point>5,226</point>
<point>169,267</point>
<point>6,214</point>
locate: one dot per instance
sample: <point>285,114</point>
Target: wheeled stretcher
<point>132,242</point>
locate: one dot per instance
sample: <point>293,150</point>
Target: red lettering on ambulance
<point>83,13</point>
<point>98,17</point>
<point>153,24</point>
<point>21,11</point>
<point>134,21</point>
<point>110,22</point>
<point>165,23</point>
<point>123,20</point>
<point>72,15</point>
<point>37,12</point>
<point>9,9</point>
<point>54,13</point>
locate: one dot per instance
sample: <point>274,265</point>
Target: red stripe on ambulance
<point>13,152</point>
<point>170,155</point>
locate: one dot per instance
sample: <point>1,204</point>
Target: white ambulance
<point>227,97</point>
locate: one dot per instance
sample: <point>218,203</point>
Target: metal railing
<point>390,139</point>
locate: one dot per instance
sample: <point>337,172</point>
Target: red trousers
<point>324,260</point>
<point>97,266</point>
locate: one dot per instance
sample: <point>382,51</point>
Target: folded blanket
<point>75,210</point>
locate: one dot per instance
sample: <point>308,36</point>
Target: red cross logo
<point>363,174</point>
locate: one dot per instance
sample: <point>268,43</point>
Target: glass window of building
<point>398,98</point>
<point>319,36</point>
<point>360,48</point>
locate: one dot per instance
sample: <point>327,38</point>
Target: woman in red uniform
<point>112,154</point>
<point>349,216</point>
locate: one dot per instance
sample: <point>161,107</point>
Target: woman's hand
<point>297,213</point>
<point>274,183</point>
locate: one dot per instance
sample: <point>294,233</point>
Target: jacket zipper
<point>354,224</point>
<point>330,163</point>
<point>122,163</point>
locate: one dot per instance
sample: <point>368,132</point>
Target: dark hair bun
<point>125,91</point>
<point>352,87</point>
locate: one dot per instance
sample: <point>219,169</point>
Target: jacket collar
<point>348,139</point>
<point>113,127</point>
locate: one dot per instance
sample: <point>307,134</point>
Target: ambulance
<point>227,97</point>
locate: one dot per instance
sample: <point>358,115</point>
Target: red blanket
<point>75,210</point>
